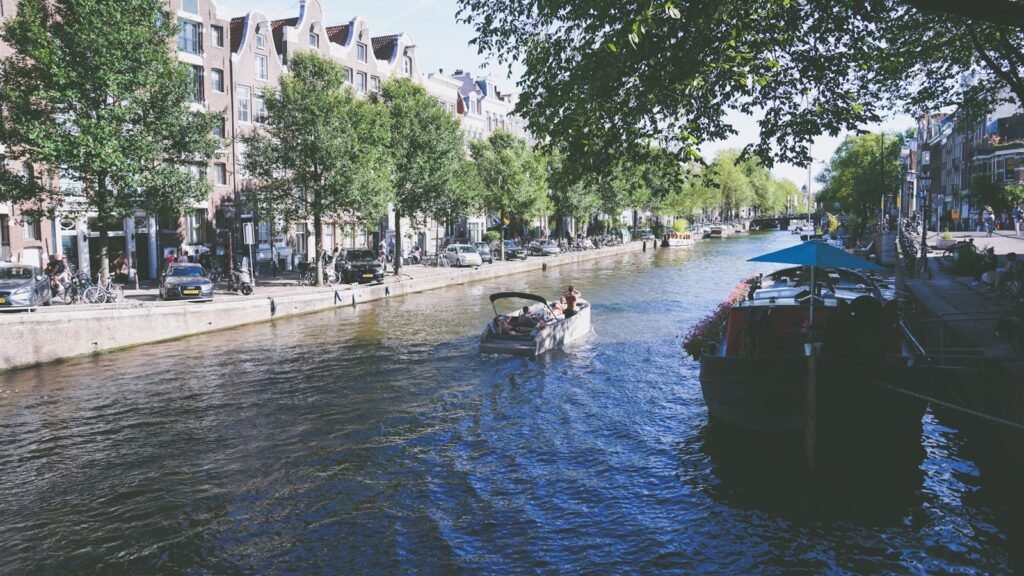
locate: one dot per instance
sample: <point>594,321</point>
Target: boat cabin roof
<point>790,285</point>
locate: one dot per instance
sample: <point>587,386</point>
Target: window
<point>220,174</point>
<point>30,228</point>
<point>360,52</point>
<point>348,74</point>
<point>261,67</point>
<point>5,236</point>
<point>190,6</point>
<point>1011,168</point>
<point>217,36</point>
<point>407,66</point>
<point>218,128</point>
<point>217,80</point>
<point>196,79</point>
<point>243,103</point>
<point>361,82</point>
<point>197,226</point>
<point>190,37</point>
<point>314,40</point>
<point>259,109</point>
<point>374,84</point>
<point>261,41</point>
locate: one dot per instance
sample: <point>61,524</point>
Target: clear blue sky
<point>444,43</point>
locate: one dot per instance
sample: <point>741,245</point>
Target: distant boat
<point>677,240</point>
<point>716,232</point>
<point>554,330</point>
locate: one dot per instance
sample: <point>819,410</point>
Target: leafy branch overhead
<point>606,77</point>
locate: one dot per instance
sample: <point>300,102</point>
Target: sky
<point>443,43</point>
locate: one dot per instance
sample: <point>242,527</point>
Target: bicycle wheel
<point>93,295</point>
<point>445,263</point>
<point>116,293</point>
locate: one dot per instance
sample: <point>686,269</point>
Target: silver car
<point>462,255</point>
<point>23,287</point>
<point>185,282</point>
<point>545,248</point>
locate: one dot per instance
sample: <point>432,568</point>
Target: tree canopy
<point>103,108</point>
<point>864,169</point>
<point>605,77</point>
<point>513,176</point>
<point>427,151</point>
<point>324,152</point>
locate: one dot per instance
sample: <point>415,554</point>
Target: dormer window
<point>407,66</point>
<point>190,6</point>
<point>361,52</point>
<point>261,41</point>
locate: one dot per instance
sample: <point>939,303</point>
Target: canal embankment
<point>65,332</point>
<point>956,319</point>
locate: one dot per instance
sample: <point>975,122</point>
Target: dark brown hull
<point>854,402</point>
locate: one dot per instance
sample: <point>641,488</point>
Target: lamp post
<point>925,181</point>
<point>227,206</point>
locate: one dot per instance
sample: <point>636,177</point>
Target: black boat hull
<point>855,400</point>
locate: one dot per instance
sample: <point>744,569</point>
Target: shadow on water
<point>767,471</point>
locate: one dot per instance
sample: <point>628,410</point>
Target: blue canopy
<point>817,254</point>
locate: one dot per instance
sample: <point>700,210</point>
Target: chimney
<point>302,9</point>
<point>440,71</point>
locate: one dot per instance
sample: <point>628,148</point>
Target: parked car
<point>484,249</point>
<point>646,235</point>
<point>514,251</point>
<point>544,248</point>
<point>23,287</point>
<point>360,265</point>
<point>462,255</point>
<point>185,282</point>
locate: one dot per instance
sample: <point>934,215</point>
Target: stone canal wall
<point>36,338</point>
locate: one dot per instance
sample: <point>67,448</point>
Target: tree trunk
<point>318,227</point>
<point>396,265</point>
<point>104,241</point>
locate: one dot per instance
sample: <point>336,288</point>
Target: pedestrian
<point>382,253</point>
<point>1018,217</point>
<point>989,219</point>
<point>169,259</point>
<point>184,257</point>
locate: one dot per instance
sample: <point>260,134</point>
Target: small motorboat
<point>716,232</point>
<point>550,330</point>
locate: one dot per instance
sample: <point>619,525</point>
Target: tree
<point>427,152</point>
<point>325,152</point>
<point>603,77</point>
<point>864,170</point>
<point>105,108</point>
<point>512,175</point>
<point>570,196</point>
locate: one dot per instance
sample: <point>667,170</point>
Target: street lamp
<point>925,181</point>
<point>227,206</point>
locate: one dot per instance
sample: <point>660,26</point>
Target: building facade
<point>232,63</point>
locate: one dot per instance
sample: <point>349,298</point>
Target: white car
<point>462,255</point>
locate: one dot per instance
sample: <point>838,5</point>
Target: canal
<point>377,439</point>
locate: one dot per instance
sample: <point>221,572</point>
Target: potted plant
<point>945,240</point>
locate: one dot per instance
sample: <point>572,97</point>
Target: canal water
<point>378,440</point>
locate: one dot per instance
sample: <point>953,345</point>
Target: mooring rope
<point>952,406</point>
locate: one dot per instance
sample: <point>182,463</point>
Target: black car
<point>185,282</point>
<point>484,249</point>
<point>514,251</point>
<point>360,265</point>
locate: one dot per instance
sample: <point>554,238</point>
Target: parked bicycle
<point>104,293</point>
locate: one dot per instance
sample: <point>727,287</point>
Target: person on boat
<point>571,297</point>
<point>1014,267</point>
<point>989,262</point>
<point>525,321</point>
<point>558,308</point>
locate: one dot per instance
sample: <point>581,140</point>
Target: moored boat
<point>756,376</point>
<point>716,232</point>
<point>548,328</point>
<point>677,239</point>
